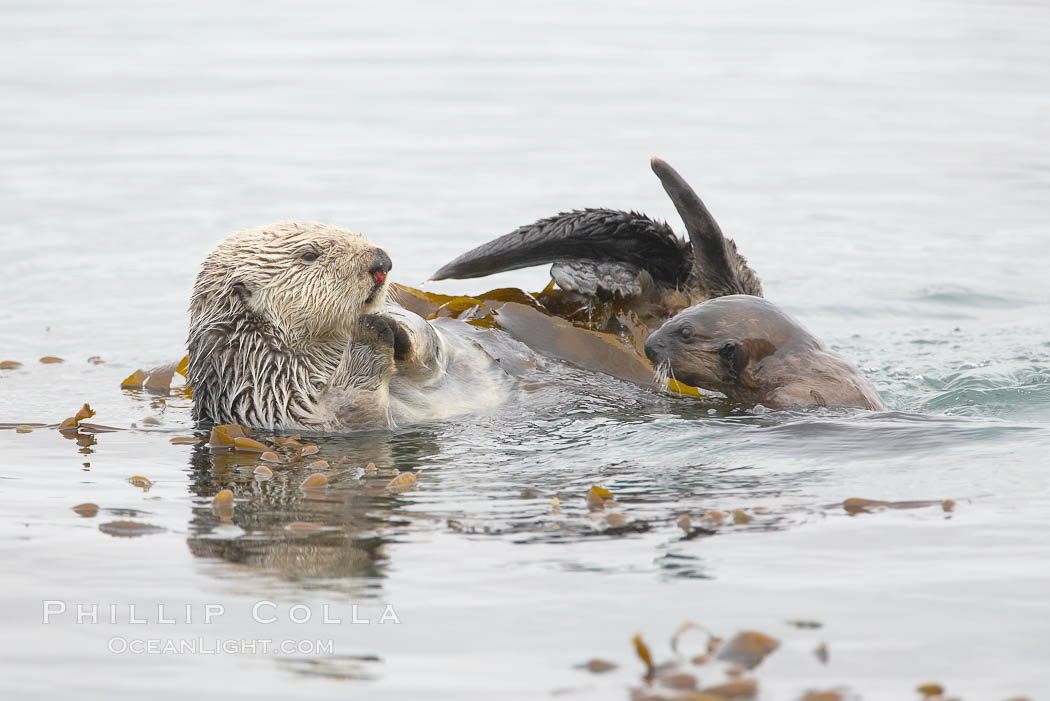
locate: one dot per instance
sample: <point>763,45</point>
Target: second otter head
<point>310,280</point>
<point>714,344</point>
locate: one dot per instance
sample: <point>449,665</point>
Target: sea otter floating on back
<point>291,325</point>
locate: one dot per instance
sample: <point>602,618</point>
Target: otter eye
<point>686,332</point>
<point>309,256</point>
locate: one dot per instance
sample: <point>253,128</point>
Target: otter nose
<point>654,348</point>
<point>380,266</point>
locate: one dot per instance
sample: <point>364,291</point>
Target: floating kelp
<point>223,435</point>
<point>51,360</point>
<point>287,440</point>
<point>676,679</point>
<point>25,426</point>
<point>855,505</point>
<point>9,364</point>
<point>156,381</point>
<point>714,517</point>
<point>587,349</point>
<point>644,655</point>
<point>249,444</point>
<point>748,649</point>
<point>424,304</point>
<point>682,681</point>
<point>186,440</point>
<point>315,481</point>
<point>604,337</point>
<point>97,428</point>
<point>930,690</point>
<point>806,625</point>
<point>73,422</point>
<point>712,641</point>
<point>141,482</point>
<point>403,482</point>
<point>598,496</point>
<point>87,510</point>
<point>828,695</point>
<point>159,379</point>
<point>597,666</point>
<point>733,689</point>
<point>135,380</point>
<point>129,529</point>
<point>821,653</point>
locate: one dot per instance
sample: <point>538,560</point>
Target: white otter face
<point>309,279</point>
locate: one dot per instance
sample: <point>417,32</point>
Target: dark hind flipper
<point>593,235</point>
<point>717,267</point>
<point>603,280</point>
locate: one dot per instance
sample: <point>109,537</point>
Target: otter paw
<point>385,331</point>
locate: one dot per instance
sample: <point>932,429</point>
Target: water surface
<point>886,169</point>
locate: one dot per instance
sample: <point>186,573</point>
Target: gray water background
<point>885,167</point>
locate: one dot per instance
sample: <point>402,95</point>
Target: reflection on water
<point>304,534</point>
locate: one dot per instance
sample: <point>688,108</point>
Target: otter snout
<point>656,348</point>
<point>380,266</point>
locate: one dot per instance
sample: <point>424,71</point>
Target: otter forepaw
<point>386,332</point>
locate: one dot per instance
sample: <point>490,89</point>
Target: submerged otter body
<point>753,352</point>
<point>290,327</point>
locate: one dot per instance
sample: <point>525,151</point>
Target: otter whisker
<point>662,371</point>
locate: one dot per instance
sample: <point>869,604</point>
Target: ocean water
<point>886,169</point>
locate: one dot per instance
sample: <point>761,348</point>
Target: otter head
<point>716,344</point>
<point>308,281</point>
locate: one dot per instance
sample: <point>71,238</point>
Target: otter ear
<point>241,291</point>
<point>734,359</point>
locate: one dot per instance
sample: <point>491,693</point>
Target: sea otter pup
<point>290,327</point>
<point>754,353</point>
<point>608,253</point>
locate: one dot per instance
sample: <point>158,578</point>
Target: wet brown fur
<point>752,351</point>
